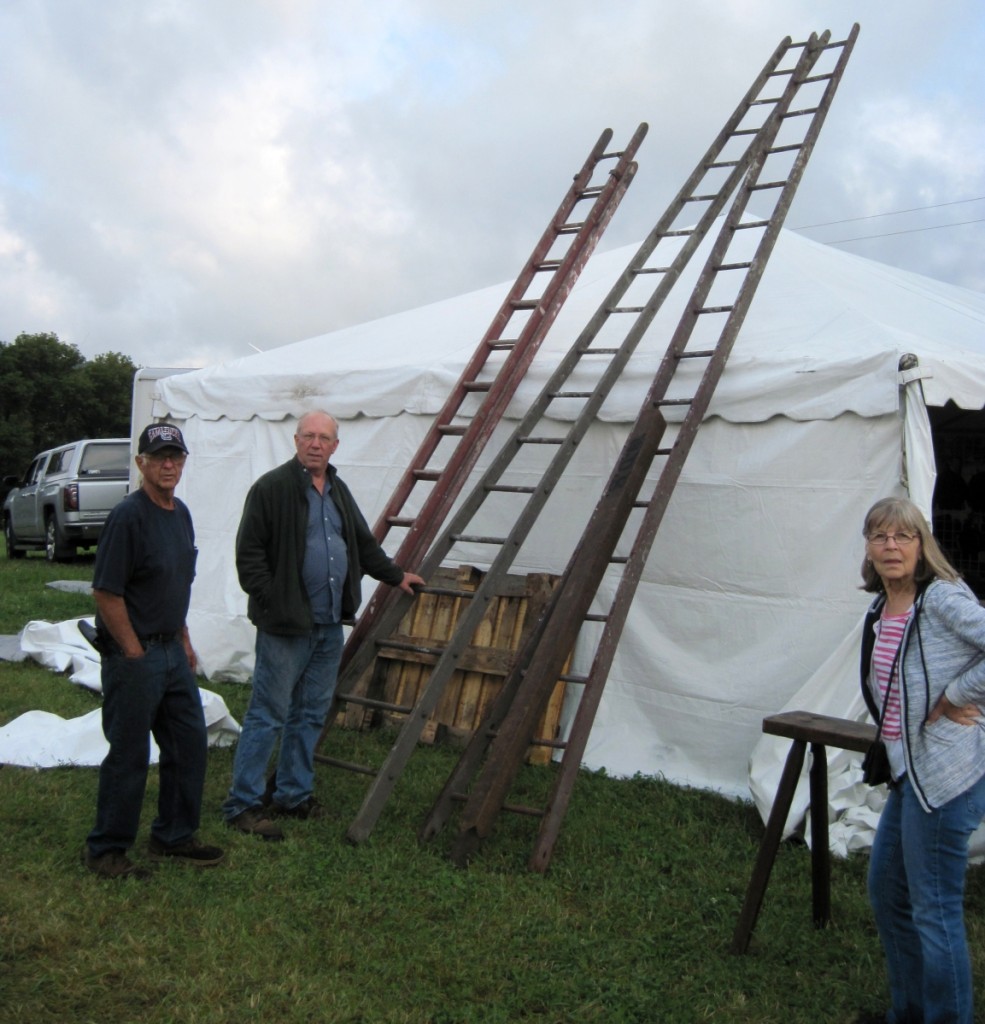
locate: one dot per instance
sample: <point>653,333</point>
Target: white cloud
<point>207,177</point>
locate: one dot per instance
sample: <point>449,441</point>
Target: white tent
<point>750,599</point>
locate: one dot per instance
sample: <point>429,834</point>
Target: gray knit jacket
<point>943,651</point>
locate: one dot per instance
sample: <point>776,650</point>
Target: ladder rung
<point>570,394</point>
<point>451,430</point>
<point>427,474</point>
<point>715,309</point>
<point>664,451</point>
<point>744,131</point>
<point>548,265</point>
<point>702,354</point>
<point>543,741</point>
<point>401,520</point>
<point>762,185</point>
<point>789,148</point>
<point>470,538</point>
<point>652,270</point>
<point>734,266</point>
<point>700,199</point>
<point>806,112</point>
<point>511,489</point>
<point>591,192</point>
<point>680,233</point>
<point>379,705</point>
<point>477,385</point>
<point>766,102</point>
<point>818,78</point>
<point>571,229</point>
<point>525,303</point>
<point>542,440</point>
<point>349,766</point>
<point>530,812</point>
<point>627,309</point>
<point>720,164</point>
<point>573,677</point>
<point>596,617</point>
<point>502,345</point>
<point>780,72</point>
<point>746,225</point>
<point>618,559</point>
<point>599,351</point>
<point>674,401</point>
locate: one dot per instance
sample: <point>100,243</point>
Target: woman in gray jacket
<point>923,679</point>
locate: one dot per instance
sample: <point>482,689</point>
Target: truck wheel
<point>56,548</point>
<point>8,535</point>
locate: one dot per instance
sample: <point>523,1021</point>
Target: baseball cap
<point>160,435</point>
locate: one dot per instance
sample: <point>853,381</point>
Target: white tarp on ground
<point>750,596</point>
<point>38,739</point>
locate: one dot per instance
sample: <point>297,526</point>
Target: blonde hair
<point>901,513</point>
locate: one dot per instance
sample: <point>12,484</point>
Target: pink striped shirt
<point>889,633</point>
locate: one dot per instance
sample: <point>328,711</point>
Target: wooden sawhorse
<point>802,727</point>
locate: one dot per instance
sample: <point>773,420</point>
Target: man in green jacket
<point>301,551</point>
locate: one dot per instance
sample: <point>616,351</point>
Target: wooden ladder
<point>623,526</point>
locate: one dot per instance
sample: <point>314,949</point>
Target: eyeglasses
<point>902,538</point>
<point>311,438</point>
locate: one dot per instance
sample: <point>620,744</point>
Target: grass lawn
<point>632,923</point>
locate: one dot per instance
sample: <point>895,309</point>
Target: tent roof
<point>823,336</point>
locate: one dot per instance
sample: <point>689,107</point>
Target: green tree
<point>50,394</point>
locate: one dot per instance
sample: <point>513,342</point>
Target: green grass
<point>632,923</point>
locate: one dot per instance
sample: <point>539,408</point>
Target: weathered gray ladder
<point>510,722</point>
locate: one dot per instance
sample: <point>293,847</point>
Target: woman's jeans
<point>156,694</point>
<point>916,887</point>
<point>293,682</point>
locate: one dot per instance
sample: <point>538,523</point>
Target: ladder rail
<point>441,672</point>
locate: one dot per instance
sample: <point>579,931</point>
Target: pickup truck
<point>62,501</point>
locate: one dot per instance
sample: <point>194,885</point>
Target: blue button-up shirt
<point>325,561</point>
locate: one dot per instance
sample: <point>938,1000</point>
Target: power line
<point>909,231</point>
<point>892,213</point>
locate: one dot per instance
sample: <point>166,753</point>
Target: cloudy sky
<point>185,181</point>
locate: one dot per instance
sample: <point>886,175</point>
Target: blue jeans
<point>916,887</point>
<point>293,682</point>
<point>154,694</point>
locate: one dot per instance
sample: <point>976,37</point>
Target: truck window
<point>34,473</point>
<point>106,460</point>
<point>60,461</point>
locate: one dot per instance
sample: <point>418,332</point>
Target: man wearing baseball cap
<point>145,564</point>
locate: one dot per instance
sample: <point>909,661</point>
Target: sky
<point>189,181</point>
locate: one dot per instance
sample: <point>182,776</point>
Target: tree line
<point>51,394</point>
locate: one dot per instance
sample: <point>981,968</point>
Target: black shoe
<point>191,852</point>
<point>113,864</point>
<point>309,809</point>
<point>255,822</point>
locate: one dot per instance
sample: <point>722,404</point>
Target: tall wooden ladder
<point>520,325</point>
<point>623,526</point>
<point>437,473</point>
<point>750,131</point>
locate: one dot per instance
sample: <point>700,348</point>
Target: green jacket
<point>270,550</point>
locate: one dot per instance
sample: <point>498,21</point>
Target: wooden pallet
<point>400,673</point>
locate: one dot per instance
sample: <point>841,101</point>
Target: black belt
<point>158,638</point>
